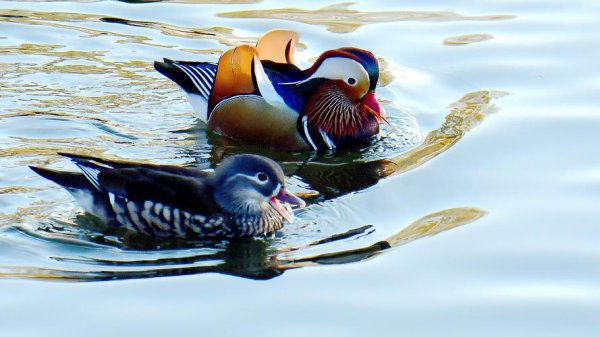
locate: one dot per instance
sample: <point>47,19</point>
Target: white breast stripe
<point>305,127</point>
<point>265,87</point>
<point>111,198</point>
<point>327,140</point>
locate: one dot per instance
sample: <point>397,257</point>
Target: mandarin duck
<point>257,94</point>
<point>246,195</point>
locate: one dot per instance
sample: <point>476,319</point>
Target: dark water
<point>475,213</point>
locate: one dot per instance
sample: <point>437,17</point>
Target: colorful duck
<point>245,196</point>
<point>257,94</point>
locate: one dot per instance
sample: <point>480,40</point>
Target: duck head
<point>341,109</point>
<point>252,186</point>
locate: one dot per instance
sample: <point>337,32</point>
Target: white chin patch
<point>200,105</point>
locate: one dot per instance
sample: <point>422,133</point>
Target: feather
<point>277,45</point>
<point>234,75</point>
<point>195,78</point>
<point>334,120</point>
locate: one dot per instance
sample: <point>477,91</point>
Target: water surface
<point>474,214</point>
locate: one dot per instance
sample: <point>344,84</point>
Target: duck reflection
<point>248,258</point>
<point>333,175</point>
<point>329,176</point>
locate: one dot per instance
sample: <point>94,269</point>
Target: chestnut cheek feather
<point>370,103</point>
<point>332,111</point>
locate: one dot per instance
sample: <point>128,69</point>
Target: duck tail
<point>79,186</point>
<point>68,180</point>
<point>195,78</point>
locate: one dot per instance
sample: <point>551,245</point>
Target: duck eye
<point>262,177</point>
<point>351,81</point>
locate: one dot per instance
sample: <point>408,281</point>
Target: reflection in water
<point>337,175</point>
<point>461,40</point>
<point>66,20</point>
<point>97,102</point>
<point>220,2</point>
<point>258,258</point>
<point>81,82</point>
<point>251,258</point>
<point>336,180</point>
<point>339,18</point>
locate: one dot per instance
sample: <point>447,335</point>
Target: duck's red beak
<point>287,198</point>
<point>372,104</point>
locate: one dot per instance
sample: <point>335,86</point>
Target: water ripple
<point>339,18</point>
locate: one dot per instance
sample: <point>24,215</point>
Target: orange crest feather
<point>277,45</point>
<point>234,74</point>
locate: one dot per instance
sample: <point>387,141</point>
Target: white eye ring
<point>351,81</point>
<point>262,177</point>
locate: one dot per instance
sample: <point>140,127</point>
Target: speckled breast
<point>156,219</point>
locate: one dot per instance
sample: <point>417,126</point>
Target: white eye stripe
<point>338,68</point>
<point>254,178</point>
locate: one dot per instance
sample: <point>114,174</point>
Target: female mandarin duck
<point>257,94</point>
<point>245,196</point>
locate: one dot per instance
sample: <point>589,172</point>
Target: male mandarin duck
<point>246,195</point>
<point>257,94</point>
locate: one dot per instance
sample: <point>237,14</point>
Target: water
<point>475,214</point>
